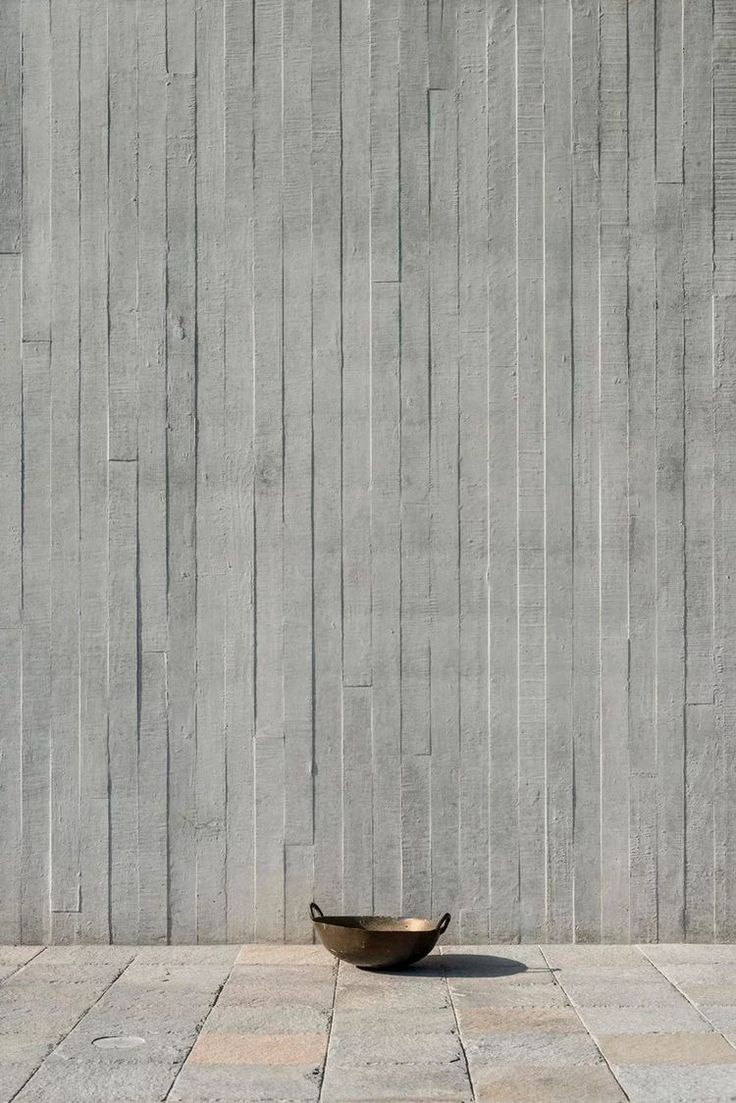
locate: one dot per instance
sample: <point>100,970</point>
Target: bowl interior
<point>378,923</point>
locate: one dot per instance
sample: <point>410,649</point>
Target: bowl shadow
<point>463,965</point>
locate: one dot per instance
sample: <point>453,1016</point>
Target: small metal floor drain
<point>119,1041</point>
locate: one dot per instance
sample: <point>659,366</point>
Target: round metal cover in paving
<point>119,1041</point>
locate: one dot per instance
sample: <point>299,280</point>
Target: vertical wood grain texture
<point>472,138</point>
<point>367,467</point>
<point>65,483</point>
<point>530,427</point>
<point>210,494</point>
<point>238,445</point>
<point>614,506</point>
<point>11,127</point>
<point>558,516</point>
<point>93,466</point>
<point>641,477</point>
<point>502,490</point>
<point>586,703</point>
<point>36,655</point>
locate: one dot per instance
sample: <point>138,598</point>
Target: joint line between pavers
<point>566,994</point>
<point>73,1027</point>
<point>685,996</point>
<point>457,1028</point>
<point>200,1028</point>
<point>329,1034</point>
<point>15,972</point>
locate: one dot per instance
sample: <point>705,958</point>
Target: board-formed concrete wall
<point>368,467</point>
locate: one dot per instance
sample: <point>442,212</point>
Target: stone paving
<point>502,1024</point>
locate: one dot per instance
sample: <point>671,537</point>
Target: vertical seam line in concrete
<point>685,996</point>
<point>457,1025</point>
<point>72,1028</point>
<point>200,1028</point>
<point>329,1034</point>
<point>562,988</point>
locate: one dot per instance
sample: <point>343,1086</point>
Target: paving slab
<point>678,1084</point>
<point>147,1020</point>
<point>15,956</point>
<point>39,1006</point>
<point>561,957</point>
<point>510,995</point>
<point>268,954</point>
<point>480,1021</point>
<point>266,1038</point>
<point>679,952</point>
<point>396,1082</point>
<point>644,1020</point>
<point>543,1084</point>
<point>666,1049</point>
<point>285,1024</point>
<point>247,1084</point>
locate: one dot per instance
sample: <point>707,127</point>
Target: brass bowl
<point>377,941</point>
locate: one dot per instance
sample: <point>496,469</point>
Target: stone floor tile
<point>233,1017</point>
<point>718,995</point>
<point>511,995</point>
<point>268,954</point>
<point>623,994</point>
<point>538,1047</point>
<point>364,997</point>
<point>507,956</point>
<point>396,1082</point>
<point>609,974</point>
<point>93,955</point>
<point>18,955</point>
<point>405,1047</point>
<point>722,1016</point>
<point>222,956</point>
<point>678,1084</point>
<point>643,1020</point>
<point>491,1020</point>
<point>671,953</point>
<point>698,972</point>
<point>347,1022</point>
<point>542,1084</point>
<point>666,1049</point>
<point>219,1048</point>
<point>586,954</point>
<point>162,1005</point>
<point>246,1084</point>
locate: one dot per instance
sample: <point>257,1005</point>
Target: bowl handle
<point>444,923</point>
<point>315,911</point>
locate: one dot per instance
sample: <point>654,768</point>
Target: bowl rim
<point>393,923</point>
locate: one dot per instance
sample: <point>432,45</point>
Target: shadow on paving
<point>462,965</point>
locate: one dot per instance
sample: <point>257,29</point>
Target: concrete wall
<point>368,467</point>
